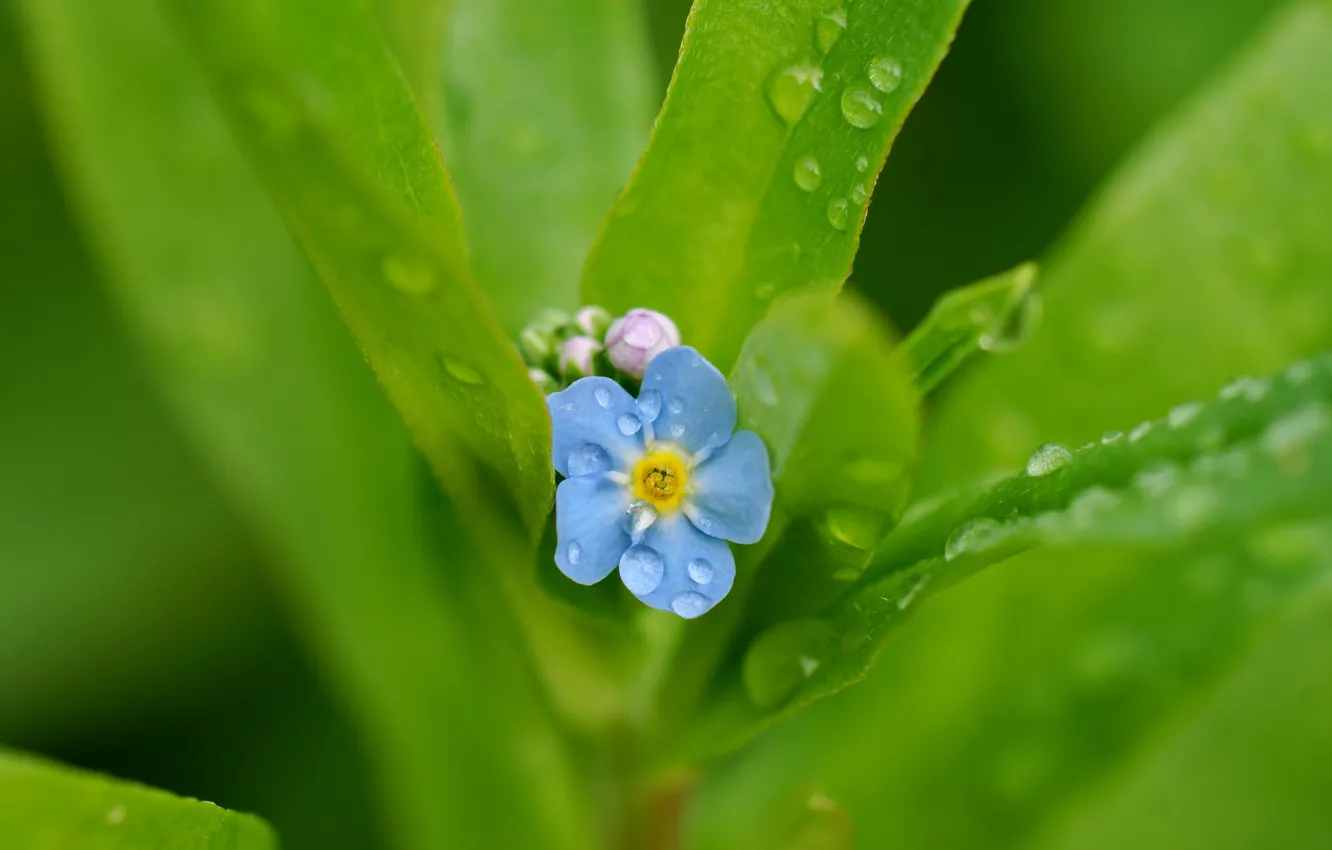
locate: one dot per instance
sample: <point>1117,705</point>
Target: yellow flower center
<point>659,479</point>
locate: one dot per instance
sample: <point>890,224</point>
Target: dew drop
<point>1084,507</point>
<point>971,536</point>
<point>854,527</point>
<point>764,389</point>
<point>1014,328</point>
<point>904,602</point>
<point>1047,459</point>
<point>116,816</point>
<point>603,397</point>
<point>862,163</point>
<point>791,90</point>
<point>649,404</point>
<point>407,276</point>
<point>1111,437</point>
<point>629,424</point>
<point>1182,415</point>
<point>1142,430</point>
<point>588,459</point>
<point>700,571</point>
<point>837,213</point>
<point>462,373</point>
<point>1157,480</point>
<point>677,429</point>
<point>828,27</point>
<point>574,553</point>
<point>808,175</point>
<point>858,195</point>
<point>859,108</point>
<point>638,519</point>
<point>1300,373</point>
<point>1191,506</point>
<point>885,74</point>
<point>689,604</point>
<point>1250,389</point>
<point>641,569</point>
<point>676,405</point>
<point>1291,432</point>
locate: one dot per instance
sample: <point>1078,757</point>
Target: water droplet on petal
<point>1047,459</point>
<point>649,404</point>
<point>408,276</point>
<point>808,174</point>
<point>588,459</point>
<point>1111,437</point>
<point>462,373</point>
<point>629,424</point>
<point>885,74</point>
<point>641,569</point>
<point>574,553</point>
<point>859,108</point>
<point>677,429</point>
<point>1142,430</point>
<point>837,213</point>
<point>676,405</point>
<point>700,571</point>
<point>638,519</point>
<point>1182,415</point>
<point>603,397</point>
<point>791,90</point>
<point>971,536</point>
<point>690,604</point>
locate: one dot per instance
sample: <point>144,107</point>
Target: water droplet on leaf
<point>828,28</point>
<point>885,74</point>
<point>1111,437</point>
<point>791,90</point>
<point>1181,415</point>
<point>859,108</point>
<point>1047,459</point>
<point>1142,430</point>
<point>462,373</point>
<point>407,276</point>
<point>971,536</point>
<point>837,213</point>
<point>808,175</point>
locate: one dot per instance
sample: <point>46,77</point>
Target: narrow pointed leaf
<point>549,106</point>
<point>763,158</point>
<point>337,138</point>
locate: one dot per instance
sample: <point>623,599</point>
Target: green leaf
<point>549,105</point>
<point>398,607</point>
<point>763,158</point>
<point>44,806</point>
<point>995,315</point>
<point>336,136</point>
<point>1044,695</point>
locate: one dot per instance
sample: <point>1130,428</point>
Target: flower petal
<point>696,407</point>
<point>589,527</point>
<point>590,414</point>
<point>732,491</point>
<point>678,568</point>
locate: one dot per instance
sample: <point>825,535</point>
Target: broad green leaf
<point>763,158</point>
<point>1036,696</point>
<point>549,104</point>
<point>44,806</point>
<point>391,597</point>
<point>335,134</point>
<point>995,315</point>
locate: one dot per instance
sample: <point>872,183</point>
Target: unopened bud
<point>577,356</point>
<point>637,337</point>
<point>593,321</point>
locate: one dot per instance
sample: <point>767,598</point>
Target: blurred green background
<point>138,632</point>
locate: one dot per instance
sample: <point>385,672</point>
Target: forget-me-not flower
<point>658,485</point>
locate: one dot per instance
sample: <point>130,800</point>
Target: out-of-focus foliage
<point>201,469</point>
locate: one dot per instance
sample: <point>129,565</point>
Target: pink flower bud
<point>576,357</point>
<point>637,337</point>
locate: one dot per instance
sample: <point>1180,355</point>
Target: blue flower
<point>658,485</point>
